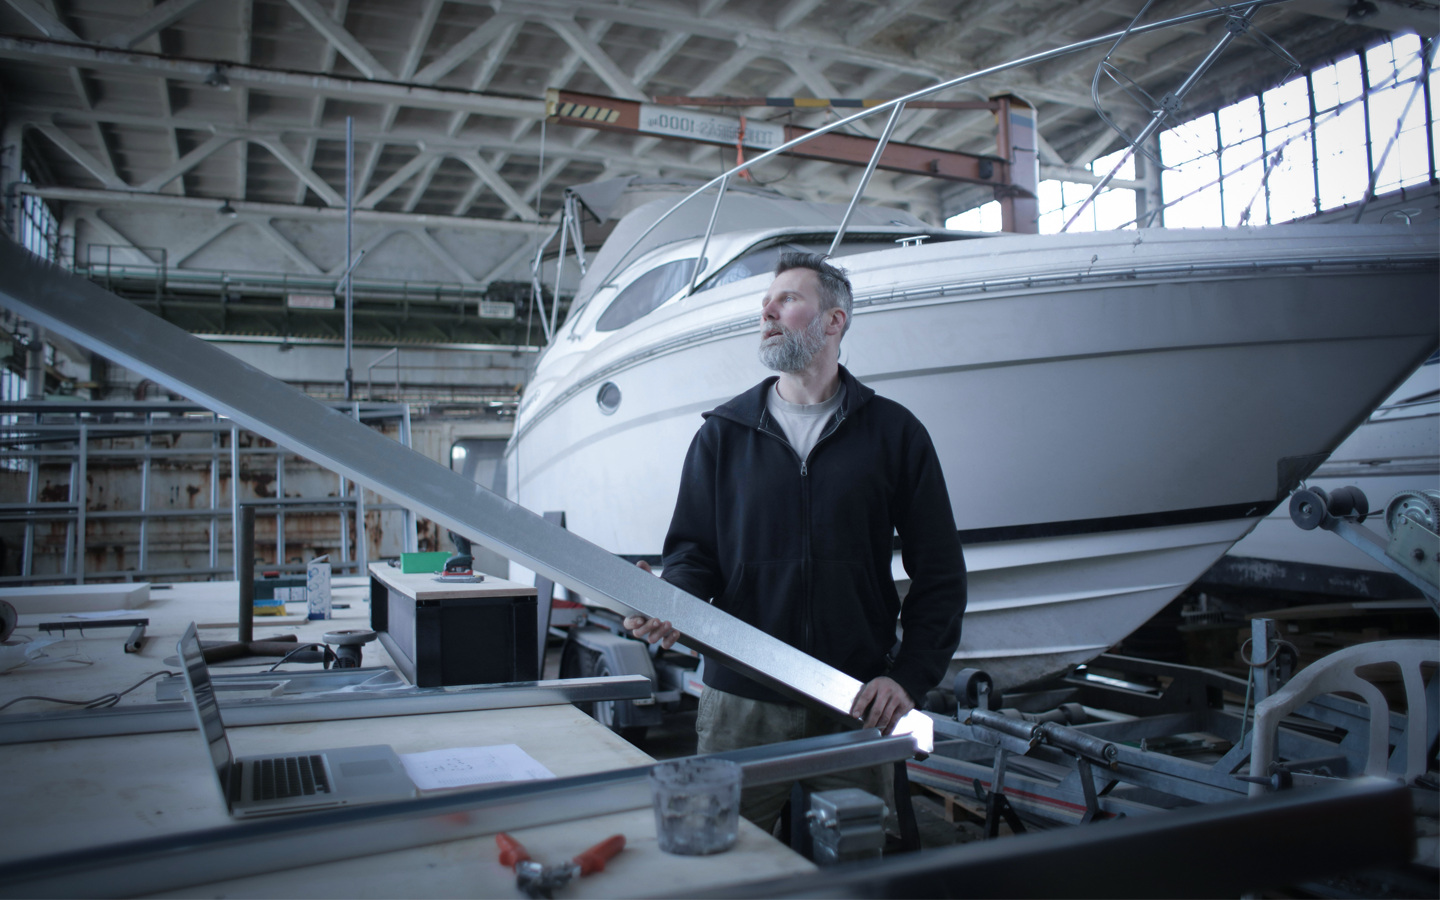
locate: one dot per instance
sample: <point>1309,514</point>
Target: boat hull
<point>1087,396</point>
<point>1396,449</point>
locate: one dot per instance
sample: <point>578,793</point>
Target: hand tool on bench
<point>538,880</point>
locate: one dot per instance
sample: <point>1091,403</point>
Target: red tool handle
<point>594,859</point>
<point>512,852</point>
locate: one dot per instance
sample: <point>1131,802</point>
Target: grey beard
<point>795,349</point>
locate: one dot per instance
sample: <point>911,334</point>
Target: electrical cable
<point>102,702</point>
<point>329,655</point>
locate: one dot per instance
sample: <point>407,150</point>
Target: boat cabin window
<point>646,293</point>
<point>762,260</point>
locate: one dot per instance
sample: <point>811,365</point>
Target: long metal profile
<point>151,718</point>
<point>1209,851</point>
<point>177,861</point>
<point>153,348</point>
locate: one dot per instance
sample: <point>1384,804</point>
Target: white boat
<point>1397,448</point>
<point>1113,410</point>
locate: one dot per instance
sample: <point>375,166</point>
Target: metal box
<point>846,825</point>
<point>443,634</point>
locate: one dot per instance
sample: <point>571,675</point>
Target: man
<point>790,498</point>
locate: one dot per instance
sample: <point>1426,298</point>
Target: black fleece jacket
<point>801,549</point>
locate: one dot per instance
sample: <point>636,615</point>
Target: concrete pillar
<point>65,253</point>
<point>11,157</point>
<point>1148,199</point>
<point>1017,142</point>
<point>35,365</point>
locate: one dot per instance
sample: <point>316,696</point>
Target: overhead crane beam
<point>632,117</point>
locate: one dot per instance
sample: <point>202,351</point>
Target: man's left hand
<point>881,703</point>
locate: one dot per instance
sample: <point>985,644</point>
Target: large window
<point>1309,145</point>
<point>39,230</point>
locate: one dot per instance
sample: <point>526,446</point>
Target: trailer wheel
<point>605,711</point>
<point>577,661</point>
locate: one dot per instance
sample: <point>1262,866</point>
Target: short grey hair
<point>835,290</point>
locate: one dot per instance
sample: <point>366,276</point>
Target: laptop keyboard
<point>288,776</point>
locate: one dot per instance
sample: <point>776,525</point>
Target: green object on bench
<point>415,563</point>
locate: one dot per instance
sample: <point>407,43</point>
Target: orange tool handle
<point>512,852</point>
<point>594,859</point>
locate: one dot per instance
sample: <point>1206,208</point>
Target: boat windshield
<point>646,293</point>
<point>763,258</point>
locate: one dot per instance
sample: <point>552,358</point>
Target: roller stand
<point>1413,517</point>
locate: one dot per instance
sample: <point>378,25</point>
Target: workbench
<point>65,795</point>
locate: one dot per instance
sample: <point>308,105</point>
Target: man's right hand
<point>652,630</point>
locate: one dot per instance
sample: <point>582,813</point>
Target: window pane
<point>1344,170</point>
<point>1287,103</point>
<point>1291,186</point>
<point>646,293</point>
<point>1104,164</point>
<point>1409,159</point>
<point>1240,121</point>
<point>985,217</point>
<point>1114,208</point>
<point>1189,151</point>
<point>1434,79</point>
<point>1337,84</point>
<point>1189,141</point>
<point>1244,204</point>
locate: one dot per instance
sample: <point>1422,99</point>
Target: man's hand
<point>652,630</point>
<point>881,703</point>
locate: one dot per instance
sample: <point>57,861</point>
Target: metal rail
<point>33,436</point>
<point>116,329</point>
<point>153,865</point>
<point>151,718</point>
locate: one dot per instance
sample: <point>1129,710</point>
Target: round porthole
<point>608,398</point>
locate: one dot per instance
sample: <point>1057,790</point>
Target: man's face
<point>792,328</point>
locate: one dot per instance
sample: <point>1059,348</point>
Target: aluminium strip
<point>150,718</point>
<point>152,865</point>
<point>153,348</point>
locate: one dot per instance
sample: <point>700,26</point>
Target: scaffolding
<point>69,436</point>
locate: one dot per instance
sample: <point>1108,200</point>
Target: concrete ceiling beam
<point>465,48</point>
<point>500,186</point>
<point>186,163</point>
<point>162,16</point>
<point>102,172</point>
<point>44,21</point>
<point>126,199</point>
<point>342,40</point>
<point>596,58</point>
<point>303,84</point>
<point>877,20</point>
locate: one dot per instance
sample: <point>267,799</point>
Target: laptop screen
<point>207,708</point>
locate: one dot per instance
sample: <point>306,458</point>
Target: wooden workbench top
<point>423,586</point>
<point>81,793</point>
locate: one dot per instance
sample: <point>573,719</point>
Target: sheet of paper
<point>465,766</point>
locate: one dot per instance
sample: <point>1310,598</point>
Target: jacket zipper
<point>805,561</point>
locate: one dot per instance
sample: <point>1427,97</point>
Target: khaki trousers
<point>727,722</point>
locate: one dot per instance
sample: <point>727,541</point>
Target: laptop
<point>296,782</point>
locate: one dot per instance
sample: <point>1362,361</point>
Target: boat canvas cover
<point>740,211</point>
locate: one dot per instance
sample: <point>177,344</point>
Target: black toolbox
<point>442,634</point>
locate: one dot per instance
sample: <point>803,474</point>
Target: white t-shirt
<point>803,423</point>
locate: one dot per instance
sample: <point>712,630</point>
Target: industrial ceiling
<point>138,120</point>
